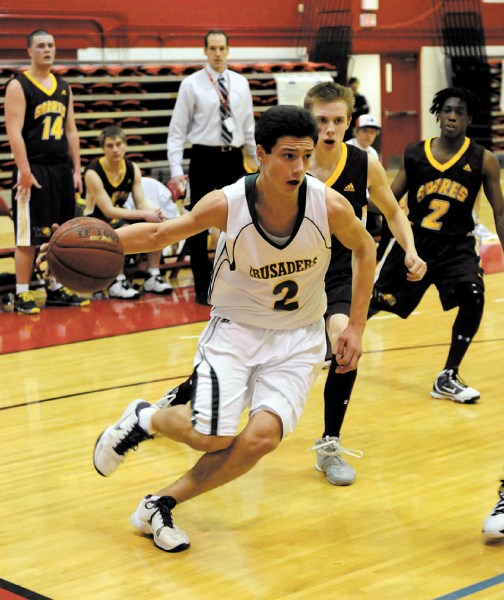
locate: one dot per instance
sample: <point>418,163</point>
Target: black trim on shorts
<point>215,402</point>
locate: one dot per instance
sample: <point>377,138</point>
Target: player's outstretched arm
<point>398,223</point>
<point>210,211</point>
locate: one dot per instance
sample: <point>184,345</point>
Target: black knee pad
<point>470,296</point>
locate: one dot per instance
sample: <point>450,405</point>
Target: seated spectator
<point>109,180</point>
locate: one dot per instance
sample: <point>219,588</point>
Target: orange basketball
<point>85,254</point>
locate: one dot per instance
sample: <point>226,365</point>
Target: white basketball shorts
<point>239,366</point>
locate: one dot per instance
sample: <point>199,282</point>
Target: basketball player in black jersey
<point>109,181</point>
<point>442,177</point>
<point>43,137</point>
<point>350,171</point>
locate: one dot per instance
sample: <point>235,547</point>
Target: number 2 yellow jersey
<point>441,196</point>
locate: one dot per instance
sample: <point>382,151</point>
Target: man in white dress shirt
<point>214,113</point>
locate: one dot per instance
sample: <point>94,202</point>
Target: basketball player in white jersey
<point>265,343</point>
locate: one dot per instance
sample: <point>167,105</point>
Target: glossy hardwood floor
<point>408,528</point>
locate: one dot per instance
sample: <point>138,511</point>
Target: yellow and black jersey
<point>349,178</point>
<point>45,119</point>
<point>441,197</point>
<point>118,191</point>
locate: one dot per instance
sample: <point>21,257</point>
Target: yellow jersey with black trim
<point>441,196</point>
<point>45,119</point>
<point>266,282</point>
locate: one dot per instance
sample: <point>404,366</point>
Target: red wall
<point>402,25</point>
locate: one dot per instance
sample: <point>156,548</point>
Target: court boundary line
<point>473,588</point>
<point>20,591</point>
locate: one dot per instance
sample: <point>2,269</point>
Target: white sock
<point>21,288</point>
<point>145,419</point>
<point>154,272</point>
<point>54,285</point>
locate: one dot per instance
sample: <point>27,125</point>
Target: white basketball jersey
<point>258,282</point>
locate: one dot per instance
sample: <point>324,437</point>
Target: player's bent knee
<point>470,296</point>
<point>214,443</point>
<point>259,444</point>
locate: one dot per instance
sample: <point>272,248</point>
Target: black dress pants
<point>210,168</point>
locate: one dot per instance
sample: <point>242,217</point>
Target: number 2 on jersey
<point>439,208</point>
<point>289,289</point>
<point>52,128</point>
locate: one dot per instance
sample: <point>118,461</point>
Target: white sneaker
<point>493,527</point>
<point>154,517</point>
<point>113,443</point>
<point>122,289</point>
<point>484,233</point>
<point>449,385</point>
<point>329,461</point>
<point>157,285</point>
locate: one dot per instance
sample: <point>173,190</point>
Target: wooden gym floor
<point>409,528</point>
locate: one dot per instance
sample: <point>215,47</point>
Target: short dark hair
<point>216,32</point>
<point>471,101</point>
<point>353,80</point>
<point>111,131</point>
<point>329,91</point>
<point>284,120</point>
<point>29,39</point>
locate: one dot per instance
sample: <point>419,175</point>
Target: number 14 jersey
<point>45,119</point>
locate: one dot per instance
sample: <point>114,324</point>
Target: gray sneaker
<point>329,461</point>
<point>449,385</point>
<point>154,517</point>
<point>118,439</point>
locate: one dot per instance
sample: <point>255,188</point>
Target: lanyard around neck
<point>224,101</point>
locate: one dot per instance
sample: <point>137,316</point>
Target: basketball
<point>85,254</point>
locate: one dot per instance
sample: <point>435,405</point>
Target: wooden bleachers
<point>140,99</point>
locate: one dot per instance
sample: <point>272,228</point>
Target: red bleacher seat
<point>137,157</point>
<point>131,105</point>
<point>137,140</point>
<point>103,87</point>
<point>157,69</point>
<point>132,122</point>
<point>104,106</point>
<point>103,122</point>
<point>129,87</point>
